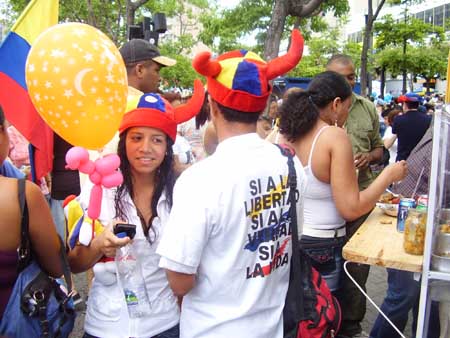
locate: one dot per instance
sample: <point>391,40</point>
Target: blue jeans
<point>326,258</point>
<point>402,296</point>
<point>170,333</point>
<point>174,332</point>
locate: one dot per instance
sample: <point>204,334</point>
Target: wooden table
<point>377,242</point>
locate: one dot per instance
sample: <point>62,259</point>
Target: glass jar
<point>414,237</point>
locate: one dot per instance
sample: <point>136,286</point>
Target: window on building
<point>359,36</point>
<point>420,16</point>
<point>439,16</point>
<point>447,17</point>
<point>429,16</point>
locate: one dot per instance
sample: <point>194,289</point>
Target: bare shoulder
<point>335,135</point>
<point>34,194</point>
<point>32,189</point>
<point>337,139</point>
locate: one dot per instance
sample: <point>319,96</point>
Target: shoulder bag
<point>39,305</point>
<point>310,310</point>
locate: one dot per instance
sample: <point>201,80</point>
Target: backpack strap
<point>24,250</point>
<point>25,258</point>
<point>295,278</point>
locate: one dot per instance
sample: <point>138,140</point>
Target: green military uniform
<point>363,128</point>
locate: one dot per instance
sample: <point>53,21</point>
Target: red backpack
<point>321,311</point>
<point>310,309</point>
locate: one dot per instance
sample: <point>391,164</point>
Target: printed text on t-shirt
<point>269,227</point>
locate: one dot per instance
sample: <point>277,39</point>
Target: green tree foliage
<point>225,29</point>
<point>283,10</point>
<point>390,59</point>
<point>391,32</point>
<point>429,62</point>
<point>106,15</point>
<point>181,75</point>
<point>320,49</point>
<point>426,52</point>
<point>110,16</point>
<point>354,50</point>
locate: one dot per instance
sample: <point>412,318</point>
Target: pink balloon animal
<point>102,172</point>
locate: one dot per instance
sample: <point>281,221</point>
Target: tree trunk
<point>91,16</point>
<point>365,48</point>
<point>132,7</point>
<point>367,43</point>
<point>382,81</point>
<point>276,27</point>
<point>281,9</point>
<point>116,35</point>
<point>411,83</point>
<point>404,68</point>
<point>404,57</point>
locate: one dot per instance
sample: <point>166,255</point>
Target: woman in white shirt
<point>311,121</point>
<point>144,199</point>
<point>389,139</point>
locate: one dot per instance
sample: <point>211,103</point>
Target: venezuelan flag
<point>14,99</point>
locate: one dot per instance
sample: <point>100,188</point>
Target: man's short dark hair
<point>340,58</point>
<point>232,115</point>
<point>130,67</point>
<point>413,104</point>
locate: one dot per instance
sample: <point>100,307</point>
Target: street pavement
<point>376,289</point>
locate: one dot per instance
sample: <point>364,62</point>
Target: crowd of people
<point>203,185</point>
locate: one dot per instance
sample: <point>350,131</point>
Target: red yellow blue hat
<point>410,97</point>
<point>152,110</point>
<point>240,79</point>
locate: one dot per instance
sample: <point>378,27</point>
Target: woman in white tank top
<point>311,122</point>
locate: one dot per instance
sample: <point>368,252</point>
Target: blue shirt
<point>409,128</point>
<point>7,169</point>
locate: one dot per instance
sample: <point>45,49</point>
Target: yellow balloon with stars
<point>77,81</point>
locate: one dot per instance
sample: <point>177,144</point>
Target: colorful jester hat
<point>240,79</point>
<point>152,110</point>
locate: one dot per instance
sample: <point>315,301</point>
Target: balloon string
<point>93,228</point>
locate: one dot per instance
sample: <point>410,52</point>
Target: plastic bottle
<point>132,282</point>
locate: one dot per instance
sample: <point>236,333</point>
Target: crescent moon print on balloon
<point>79,79</point>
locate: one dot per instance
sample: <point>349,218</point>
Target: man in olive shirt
<point>363,127</point>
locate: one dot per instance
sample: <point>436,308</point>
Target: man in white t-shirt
<point>227,244</point>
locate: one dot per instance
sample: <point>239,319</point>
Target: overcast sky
<point>228,3</point>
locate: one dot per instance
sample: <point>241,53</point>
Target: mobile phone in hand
<point>124,229</point>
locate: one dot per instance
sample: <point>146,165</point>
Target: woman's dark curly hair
<point>164,181</point>
<point>300,111</point>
